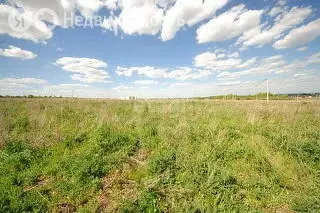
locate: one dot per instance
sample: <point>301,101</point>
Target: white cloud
<point>211,61</point>
<point>33,6</point>
<point>111,4</point>
<point>165,3</point>
<point>86,70</point>
<point>308,83</point>
<point>136,17</point>
<point>85,7</point>
<point>187,73</point>
<point>38,31</point>
<point>15,83</point>
<point>281,2</point>
<point>299,36</point>
<point>314,59</point>
<point>275,11</point>
<point>228,25</point>
<point>146,82</point>
<point>298,75</point>
<point>301,49</point>
<point>205,64</point>
<point>179,73</point>
<point>188,13</point>
<point>234,55</point>
<point>250,62</point>
<point>272,65</point>
<point>264,66</point>
<point>16,52</point>
<point>278,9</point>
<point>149,17</point>
<point>89,7</point>
<point>265,33</point>
<point>148,71</point>
<point>111,24</point>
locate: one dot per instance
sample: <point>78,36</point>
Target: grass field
<point>70,155</point>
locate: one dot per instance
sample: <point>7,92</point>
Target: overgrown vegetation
<point>69,155</point>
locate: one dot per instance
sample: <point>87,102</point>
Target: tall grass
<point>203,156</point>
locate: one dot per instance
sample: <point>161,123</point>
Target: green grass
<point>202,155</point>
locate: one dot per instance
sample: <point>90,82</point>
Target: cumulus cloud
<point>179,73</point>
<point>314,59</point>
<point>148,71</point>
<point>89,7</point>
<point>275,11</point>
<point>136,17</point>
<point>299,75</point>
<point>111,24</point>
<point>188,13</point>
<point>38,28</point>
<point>205,64</point>
<point>228,25</point>
<point>264,33</point>
<point>281,2</point>
<point>111,4</point>
<point>15,83</point>
<point>86,70</point>
<point>272,65</point>
<point>264,66</point>
<point>299,36</point>
<point>33,6</point>
<point>38,31</point>
<point>149,17</point>
<point>234,55</point>
<point>187,73</point>
<point>16,52</point>
<point>301,49</point>
<point>85,7</point>
<point>214,62</point>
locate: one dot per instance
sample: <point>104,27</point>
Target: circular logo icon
<point>20,22</point>
<point>48,15</point>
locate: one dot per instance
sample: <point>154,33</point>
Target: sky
<point>158,48</point>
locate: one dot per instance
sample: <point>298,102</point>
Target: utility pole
<point>267,90</point>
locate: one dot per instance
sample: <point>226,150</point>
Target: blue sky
<point>161,48</point>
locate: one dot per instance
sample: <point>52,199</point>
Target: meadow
<point>77,155</point>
